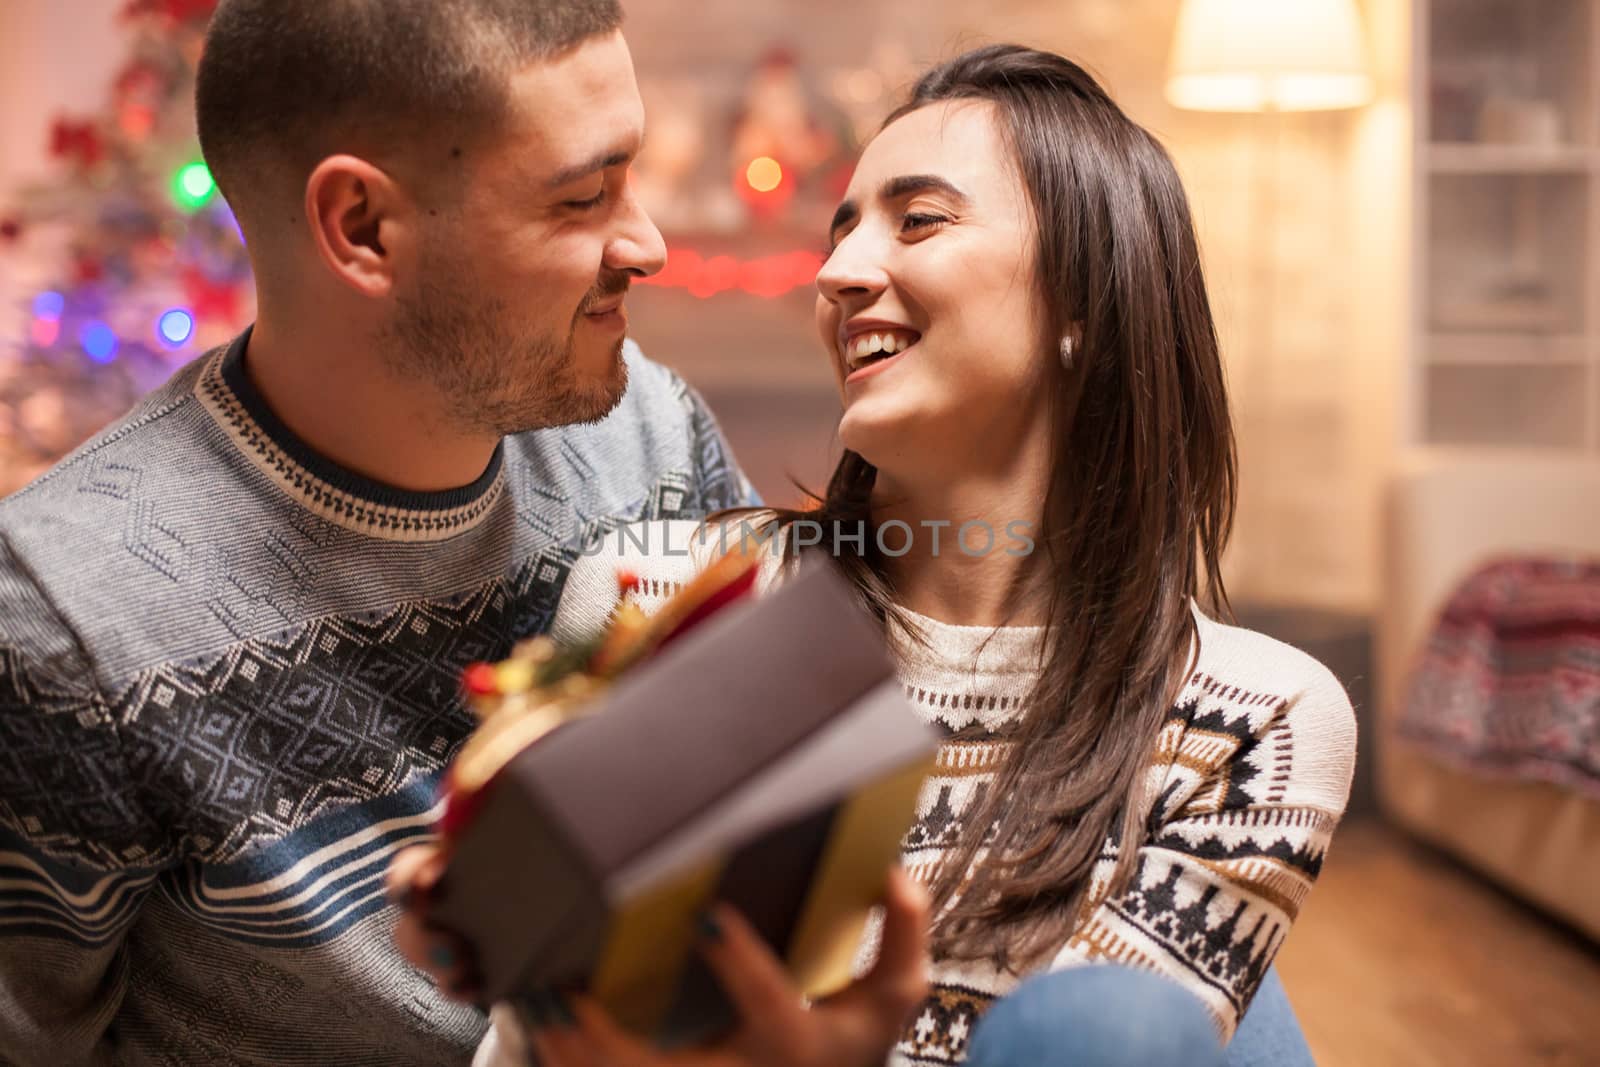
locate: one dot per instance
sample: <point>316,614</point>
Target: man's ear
<point>362,222</point>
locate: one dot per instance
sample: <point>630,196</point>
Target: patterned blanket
<point>1509,683</point>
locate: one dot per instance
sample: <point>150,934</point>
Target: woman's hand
<point>446,958</point>
<point>855,1028</point>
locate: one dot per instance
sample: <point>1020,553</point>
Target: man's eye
<point>586,205</point>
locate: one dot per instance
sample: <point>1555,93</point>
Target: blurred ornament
<point>776,160</point>
<point>77,141</point>
<point>136,121</point>
<point>87,269</point>
<point>210,299</point>
<point>152,255</point>
<point>139,80</point>
<point>778,121</point>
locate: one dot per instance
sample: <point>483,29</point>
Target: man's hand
<point>445,957</point>
<point>856,1028</point>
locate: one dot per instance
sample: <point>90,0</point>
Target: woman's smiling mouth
<point>871,344</point>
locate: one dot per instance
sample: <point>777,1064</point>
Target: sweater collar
<point>975,650</point>
<point>323,487</point>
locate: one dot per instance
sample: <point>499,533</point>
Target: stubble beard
<point>491,380</point>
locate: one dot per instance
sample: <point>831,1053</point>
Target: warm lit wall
<point>1304,220</point>
<point>56,56</point>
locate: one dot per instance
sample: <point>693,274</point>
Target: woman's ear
<point>362,223</point>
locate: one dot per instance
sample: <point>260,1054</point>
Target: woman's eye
<point>915,221</point>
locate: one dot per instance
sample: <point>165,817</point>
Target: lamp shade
<point>1269,55</point>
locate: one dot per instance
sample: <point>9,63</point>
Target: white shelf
<point>1505,350</point>
<point>1506,193</point>
<point>1510,159</point>
<point>1508,406</point>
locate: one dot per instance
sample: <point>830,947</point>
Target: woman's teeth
<point>866,347</point>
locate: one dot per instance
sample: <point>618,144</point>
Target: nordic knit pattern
<point>228,684</point>
<point>1251,774</point>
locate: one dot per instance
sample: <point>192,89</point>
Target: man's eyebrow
<point>599,163</point>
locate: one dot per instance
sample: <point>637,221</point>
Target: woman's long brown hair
<point>1139,507</point>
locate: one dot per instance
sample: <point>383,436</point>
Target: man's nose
<point>638,248</point>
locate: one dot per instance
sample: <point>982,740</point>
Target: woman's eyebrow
<point>844,215</point>
<point>896,188</point>
<point>907,184</point>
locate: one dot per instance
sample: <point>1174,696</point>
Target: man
<point>231,628</point>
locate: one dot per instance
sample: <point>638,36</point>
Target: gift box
<point>768,758</point>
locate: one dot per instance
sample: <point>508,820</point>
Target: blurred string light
<point>764,174</point>
<point>49,305</point>
<point>47,310</point>
<point>99,341</point>
<point>193,186</point>
<point>175,327</point>
<point>769,276</point>
<point>45,332</point>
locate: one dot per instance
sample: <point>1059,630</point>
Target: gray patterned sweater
<point>228,683</point>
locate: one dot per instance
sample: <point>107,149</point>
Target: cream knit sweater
<point>1251,773</point>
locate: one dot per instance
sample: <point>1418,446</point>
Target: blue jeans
<point>1269,1034</point>
<point>1112,1016</point>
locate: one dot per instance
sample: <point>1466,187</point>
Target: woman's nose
<point>852,270</point>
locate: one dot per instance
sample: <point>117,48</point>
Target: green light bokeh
<point>193,186</point>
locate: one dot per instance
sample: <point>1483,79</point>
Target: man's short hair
<point>283,84</point>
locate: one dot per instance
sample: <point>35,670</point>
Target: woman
<point>1034,405</point>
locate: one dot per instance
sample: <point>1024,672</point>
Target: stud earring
<point>1066,352</point>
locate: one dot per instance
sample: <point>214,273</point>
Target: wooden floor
<point>1401,957</point>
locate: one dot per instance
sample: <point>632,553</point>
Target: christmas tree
<point>131,263</point>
